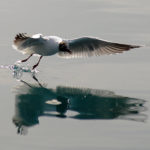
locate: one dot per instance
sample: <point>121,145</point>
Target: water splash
<point>18,70</point>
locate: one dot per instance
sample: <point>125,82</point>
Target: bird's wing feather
<point>27,44</point>
<point>87,46</point>
<point>33,42</point>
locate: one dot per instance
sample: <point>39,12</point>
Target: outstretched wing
<point>87,46</point>
<point>27,44</point>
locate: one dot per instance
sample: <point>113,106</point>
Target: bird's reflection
<point>33,101</point>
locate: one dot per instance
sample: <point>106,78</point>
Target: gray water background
<point>126,74</point>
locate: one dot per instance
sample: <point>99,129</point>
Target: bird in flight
<point>80,47</point>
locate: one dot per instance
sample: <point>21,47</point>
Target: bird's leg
<point>37,63</point>
<point>24,60</point>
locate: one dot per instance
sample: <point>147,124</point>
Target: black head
<point>64,48</point>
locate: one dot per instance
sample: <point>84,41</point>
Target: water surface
<point>95,103</point>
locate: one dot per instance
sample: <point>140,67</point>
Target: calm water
<point>96,103</point>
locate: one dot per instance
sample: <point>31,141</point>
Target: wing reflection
<point>34,101</point>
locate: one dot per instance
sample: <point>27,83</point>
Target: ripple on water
<point>18,69</point>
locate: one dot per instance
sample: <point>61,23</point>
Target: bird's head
<point>63,47</point>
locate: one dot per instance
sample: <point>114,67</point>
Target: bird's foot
<point>69,51</point>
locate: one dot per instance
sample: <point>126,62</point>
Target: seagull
<point>80,47</point>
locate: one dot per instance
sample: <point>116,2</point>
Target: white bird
<point>50,45</point>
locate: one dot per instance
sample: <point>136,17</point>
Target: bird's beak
<point>69,51</point>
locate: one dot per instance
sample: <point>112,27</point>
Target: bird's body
<point>50,45</point>
<point>37,44</point>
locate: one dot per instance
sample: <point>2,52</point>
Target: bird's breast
<point>51,46</point>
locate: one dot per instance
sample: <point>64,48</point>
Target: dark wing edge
<point>21,37</point>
